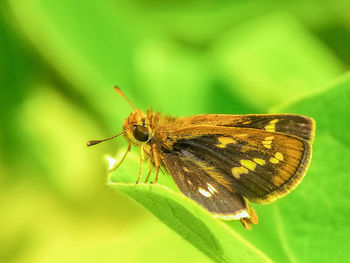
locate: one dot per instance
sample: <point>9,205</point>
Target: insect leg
<point>142,159</point>
<point>148,174</point>
<point>121,158</point>
<point>252,219</point>
<point>156,161</point>
<point>150,170</point>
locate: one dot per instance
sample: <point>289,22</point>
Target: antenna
<point>123,95</point>
<point>94,142</point>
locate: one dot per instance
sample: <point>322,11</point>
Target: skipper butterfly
<point>220,161</point>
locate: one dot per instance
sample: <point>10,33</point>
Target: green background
<point>59,61</point>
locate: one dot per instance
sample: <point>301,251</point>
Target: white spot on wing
<point>211,189</point>
<point>237,216</point>
<point>204,192</point>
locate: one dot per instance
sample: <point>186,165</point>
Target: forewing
<point>297,125</point>
<point>257,164</point>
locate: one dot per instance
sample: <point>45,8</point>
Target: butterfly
<point>223,162</point>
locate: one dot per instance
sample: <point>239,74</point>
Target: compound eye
<point>141,133</point>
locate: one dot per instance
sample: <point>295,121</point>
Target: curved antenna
<point>118,90</point>
<point>94,142</point>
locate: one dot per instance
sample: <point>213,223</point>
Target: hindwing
<point>194,178</point>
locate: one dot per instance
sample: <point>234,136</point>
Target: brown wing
<point>194,179</point>
<point>297,125</point>
<point>258,164</point>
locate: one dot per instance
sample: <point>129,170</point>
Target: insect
<point>223,162</point>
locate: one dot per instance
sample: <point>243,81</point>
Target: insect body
<point>223,162</point>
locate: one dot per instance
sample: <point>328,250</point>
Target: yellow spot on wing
<point>279,156</point>
<point>237,171</point>
<point>271,126</point>
<point>267,144</point>
<point>259,161</point>
<point>248,164</point>
<point>223,141</point>
<point>204,192</point>
<point>274,160</point>
<point>268,141</point>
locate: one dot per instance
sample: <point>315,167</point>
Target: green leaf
<point>314,220</point>
<point>149,241</point>
<point>193,223</point>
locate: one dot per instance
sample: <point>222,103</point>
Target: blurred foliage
<point>58,63</point>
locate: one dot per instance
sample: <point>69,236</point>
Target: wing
<point>223,161</point>
<point>194,179</point>
<point>259,165</point>
<point>297,125</point>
